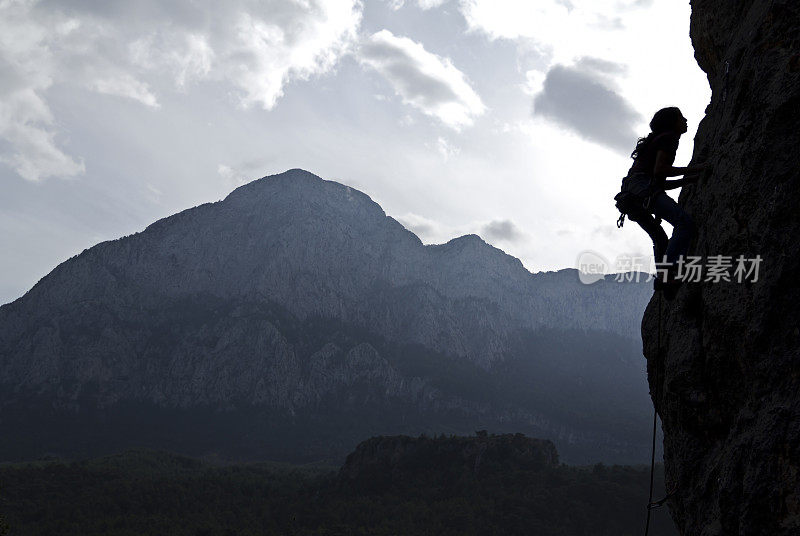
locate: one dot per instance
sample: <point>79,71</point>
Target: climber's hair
<point>663,121</point>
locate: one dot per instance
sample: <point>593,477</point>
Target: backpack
<point>629,203</point>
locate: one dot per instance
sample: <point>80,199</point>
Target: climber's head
<point>665,120</point>
<point>668,119</point>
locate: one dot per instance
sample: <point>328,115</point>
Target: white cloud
<point>34,154</point>
<point>446,149</point>
<point>124,85</point>
<point>127,49</point>
<point>26,121</point>
<point>266,55</point>
<point>428,82</point>
<point>433,231</point>
<point>563,26</point>
<point>428,230</point>
<point>430,4</point>
<point>233,178</point>
<point>153,193</point>
<point>534,82</point>
<point>513,19</point>
<point>425,5</point>
<point>187,55</point>
<point>406,121</point>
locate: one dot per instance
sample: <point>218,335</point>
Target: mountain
<point>294,318</point>
<point>723,356</point>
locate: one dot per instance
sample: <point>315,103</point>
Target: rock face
<point>297,304</point>
<point>725,377</point>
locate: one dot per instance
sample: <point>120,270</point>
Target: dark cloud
<point>423,80</point>
<point>579,99</point>
<point>501,230</point>
<point>405,72</point>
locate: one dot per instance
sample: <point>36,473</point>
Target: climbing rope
<point>650,504</point>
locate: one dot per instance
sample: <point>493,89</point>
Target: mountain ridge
<point>293,291</point>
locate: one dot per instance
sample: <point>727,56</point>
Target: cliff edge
<point>723,367</point>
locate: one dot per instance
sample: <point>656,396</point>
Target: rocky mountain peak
<point>307,194</point>
<point>292,299</point>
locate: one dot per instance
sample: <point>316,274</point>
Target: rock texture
<point>725,377</point>
<point>299,298</point>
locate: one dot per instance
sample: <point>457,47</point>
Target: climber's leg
<point>667,209</point>
<point>654,230</point>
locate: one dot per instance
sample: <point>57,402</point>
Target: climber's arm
<point>664,169</point>
<point>677,183</point>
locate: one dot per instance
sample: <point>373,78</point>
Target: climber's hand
<point>696,168</point>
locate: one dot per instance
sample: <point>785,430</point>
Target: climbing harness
<point>634,204</point>
<point>628,203</point>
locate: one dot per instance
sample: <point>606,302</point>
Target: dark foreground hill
<point>504,485</point>
<point>294,318</point>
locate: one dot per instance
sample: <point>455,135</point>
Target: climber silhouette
<point>643,198</point>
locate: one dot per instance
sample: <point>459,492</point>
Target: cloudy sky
<point>511,119</point>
